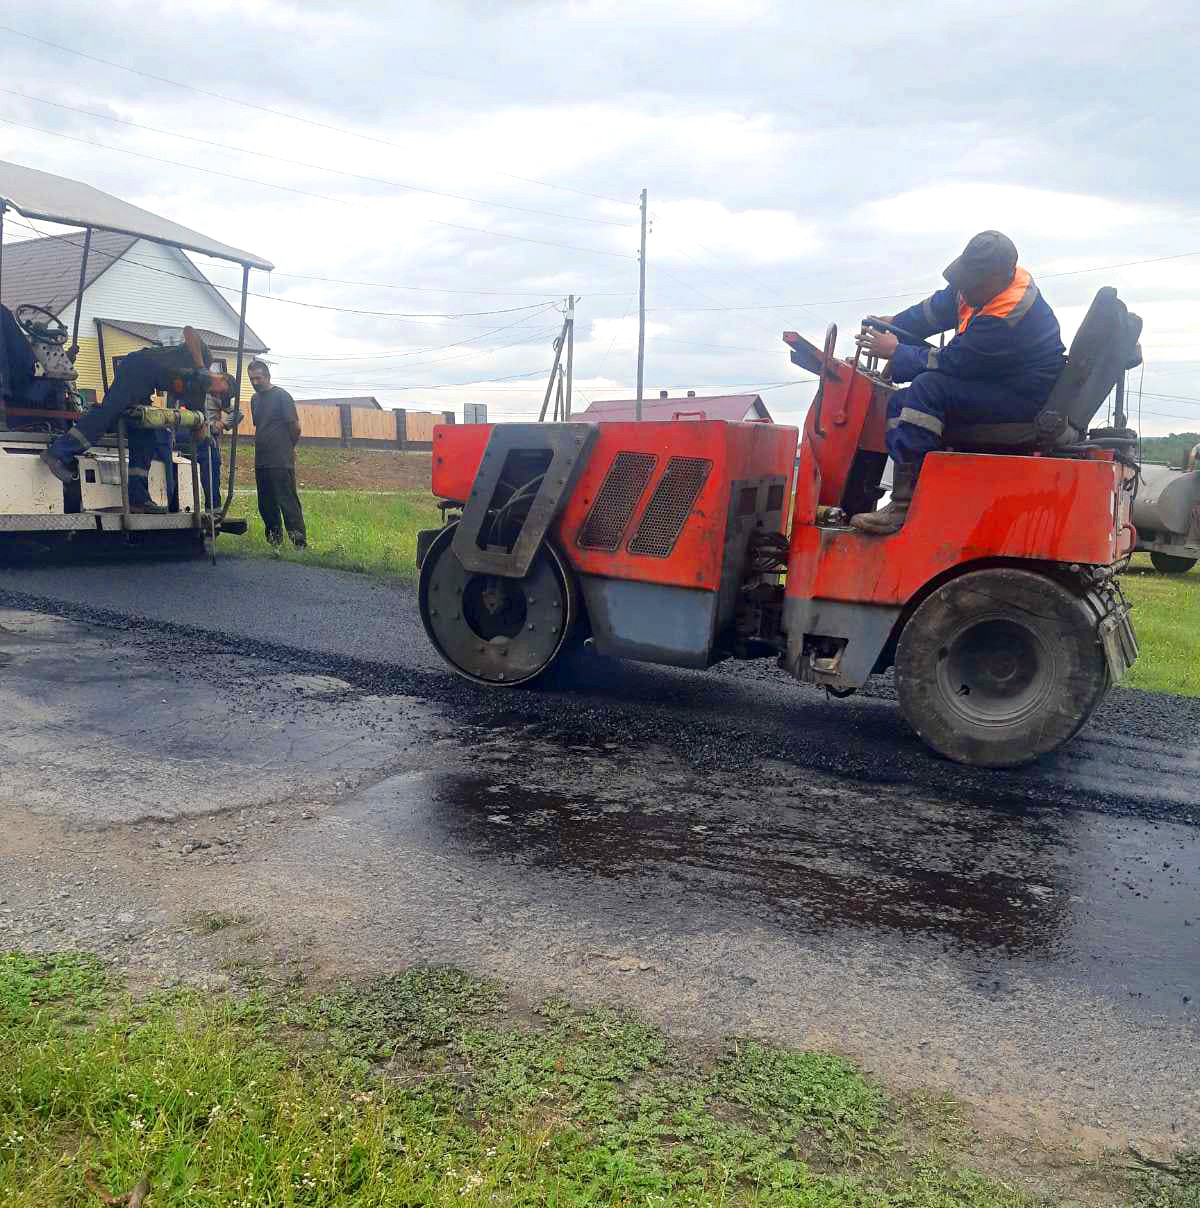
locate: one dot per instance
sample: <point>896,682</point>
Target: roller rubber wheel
<point>492,630</point>
<point>1172,564</point>
<point>999,667</point>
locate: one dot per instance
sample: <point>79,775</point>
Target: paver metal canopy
<point>70,202</point>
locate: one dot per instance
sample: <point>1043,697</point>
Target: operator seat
<point>1104,347</point>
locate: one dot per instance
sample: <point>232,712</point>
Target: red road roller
<point>690,541</point>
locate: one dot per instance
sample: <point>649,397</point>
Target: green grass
<point>1166,618</point>
<point>424,1088</point>
<point>347,530</point>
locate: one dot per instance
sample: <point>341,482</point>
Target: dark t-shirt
<point>276,429</point>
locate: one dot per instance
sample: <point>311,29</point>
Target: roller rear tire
<point>999,667</point>
<point>1171,564</point>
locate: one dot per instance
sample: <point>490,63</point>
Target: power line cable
<point>416,289</point>
<point>20,33</point>
<point>616,332</point>
<point>532,308</point>
<point>1098,268</point>
<point>299,163</point>
<point>266,184</point>
<point>1181,398</point>
<point>541,334</point>
<point>428,289</point>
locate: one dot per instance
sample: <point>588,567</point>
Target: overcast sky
<point>805,165</point>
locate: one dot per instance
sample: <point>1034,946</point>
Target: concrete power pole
<point>559,343</point>
<point>641,364</point>
<point>568,401</point>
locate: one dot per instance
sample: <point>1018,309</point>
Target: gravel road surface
<point>727,851</point>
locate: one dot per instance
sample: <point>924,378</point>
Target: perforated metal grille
<point>618,495</point>
<point>670,506</point>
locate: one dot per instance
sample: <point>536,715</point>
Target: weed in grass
<point>790,1094</point>
<point>74,983</point>
<point>1177,1186</point>
<point>937,1118</point>
<point>208,922</point>
<point>410,1011</point>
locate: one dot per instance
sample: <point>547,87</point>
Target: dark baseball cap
<point>987,252</point>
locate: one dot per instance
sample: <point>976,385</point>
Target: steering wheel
<point>884,325</point>
<point>50,328</point>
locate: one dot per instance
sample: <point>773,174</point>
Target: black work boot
<point>60,469</point>
<point>274,537</point>
<point>149,508</point>
<point>890,519</point>
<point>299,540</point>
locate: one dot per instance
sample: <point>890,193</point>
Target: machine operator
<point>138,376</point>
<point>999,367</point>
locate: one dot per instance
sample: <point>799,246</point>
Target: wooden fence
<point>361,426</point>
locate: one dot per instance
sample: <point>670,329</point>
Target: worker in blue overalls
<point>164,451</point>
<point>138,376</point>
<point>208,449</point>
<point>1003,361</point>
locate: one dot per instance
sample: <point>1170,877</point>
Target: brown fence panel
<point>420,425</point>
<point>372,425</point>
<point>322,423</point>
<point>325,424</point>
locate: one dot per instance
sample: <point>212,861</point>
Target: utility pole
<point>559,341</point>
<point>641,311</point>
<point>568,400</point>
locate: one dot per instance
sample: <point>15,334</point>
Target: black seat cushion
<point>987,436</point>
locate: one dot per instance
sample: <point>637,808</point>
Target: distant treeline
<point>1169,450</point>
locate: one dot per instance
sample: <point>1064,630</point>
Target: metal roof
<point>161,333</point>
<point>59,199</point>
<point>45,272</point>
<point>734,408</point>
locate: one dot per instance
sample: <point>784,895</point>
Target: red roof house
<point>735,408</point>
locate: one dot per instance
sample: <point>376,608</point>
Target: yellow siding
<point>230,359</point>
<point>120,343</point>
<point>87,363</point>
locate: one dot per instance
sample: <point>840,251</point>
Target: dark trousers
<point>208,462</point>
<point>918,416</point>
<point>164,449</point>
<point>136,379</point>
<point>278,503</point>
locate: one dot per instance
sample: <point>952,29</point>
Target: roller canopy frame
<point>59,199</point>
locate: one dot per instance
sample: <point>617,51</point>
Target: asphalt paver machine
<point>690,541</point>
<point>37,511</point>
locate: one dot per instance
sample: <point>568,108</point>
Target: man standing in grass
<point>276,433</point>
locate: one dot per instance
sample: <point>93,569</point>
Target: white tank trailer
<point>1167,515</point>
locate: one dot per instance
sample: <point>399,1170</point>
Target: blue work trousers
<point>208,459</point>
<point>919,414</point>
